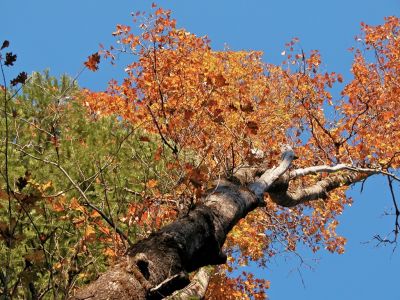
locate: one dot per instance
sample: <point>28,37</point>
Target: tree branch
<point>159,264</point>
<point>262,184</point>
<point>340,167</point>
<point>81,192</point>
<point>319,190</point>
<point>196,289</point>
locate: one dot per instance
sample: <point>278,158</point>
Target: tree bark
<point>196,289</point>
<point>159,265</point>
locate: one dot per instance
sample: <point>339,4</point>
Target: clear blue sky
<point>60,35</point>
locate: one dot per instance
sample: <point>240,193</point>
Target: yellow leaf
<point>46,186</point>
<point>89,231</point>
<point>75,205</point>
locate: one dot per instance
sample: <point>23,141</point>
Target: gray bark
<point>196,289</point>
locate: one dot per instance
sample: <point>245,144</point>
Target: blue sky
<point>59,35</point>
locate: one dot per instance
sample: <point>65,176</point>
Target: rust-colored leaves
<point>93,61</point>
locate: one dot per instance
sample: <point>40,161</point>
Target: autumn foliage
<point>211,109</point>
<point>203,114</point>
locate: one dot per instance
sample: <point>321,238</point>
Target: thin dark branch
<point>397,212</point>
<point>164,140</point>
<point>6,177</point>
<point>353,125</point>
<point>110,222</point>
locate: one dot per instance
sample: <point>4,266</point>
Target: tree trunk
<point>159,265</point>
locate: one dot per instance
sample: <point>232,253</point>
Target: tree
<point>231,114</point>
<point>56,151</point>
<point>243,143</point>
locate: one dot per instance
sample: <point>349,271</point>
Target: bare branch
<point>317,191</point>
<point>340,167</point>
<point>387,239</point>
<point>262,184</point>
<point>196,289</point>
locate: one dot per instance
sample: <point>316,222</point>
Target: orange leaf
<point>95,214</point>
<point>253,126</point>
<point>220,81</point>
<point>93,61</point>
<point>109,252</point>
<point>57,206</point>
<point>152,183</point>
<point>76,206</point>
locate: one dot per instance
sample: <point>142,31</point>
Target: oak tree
<point>261,152</point>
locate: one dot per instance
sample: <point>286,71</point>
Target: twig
<point>81,192</point>
<point>6,177</point>
<point>397,211</point>
<point>340,167</point>
<point>164,140</point>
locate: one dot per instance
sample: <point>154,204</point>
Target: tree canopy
<point>198,157</point>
